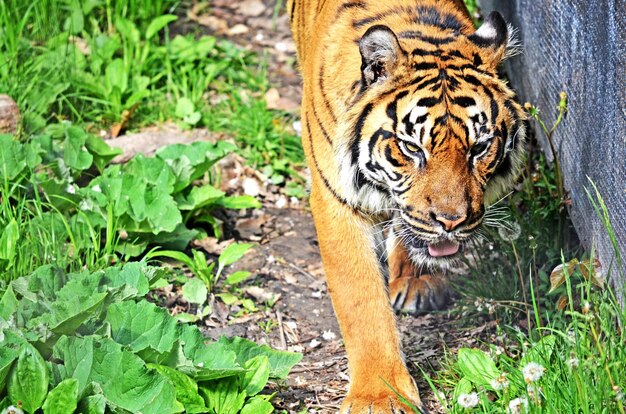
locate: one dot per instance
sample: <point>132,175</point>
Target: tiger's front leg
<point>361,303</point>
<point>411,289</point>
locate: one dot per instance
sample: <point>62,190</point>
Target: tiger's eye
<point>412,147</point>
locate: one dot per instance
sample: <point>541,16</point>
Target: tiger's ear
<point>493,38</point>
<point>380,51</point>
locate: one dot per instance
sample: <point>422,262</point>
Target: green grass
<point>114,65</point>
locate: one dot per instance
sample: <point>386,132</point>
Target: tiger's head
<point>435,130</point>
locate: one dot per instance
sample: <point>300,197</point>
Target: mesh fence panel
<point>579,47</point>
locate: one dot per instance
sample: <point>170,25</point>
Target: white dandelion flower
<point>510,233</point>
<point>501,383</point>
<point>518,406</point>
<point>532,372</point>
<point>13,410</point>
<point>468,400</point>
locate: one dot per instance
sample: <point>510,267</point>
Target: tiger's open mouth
<point>443,249</point>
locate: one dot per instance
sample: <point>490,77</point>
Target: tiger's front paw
<point>386,403</point>
<point>414,295</point>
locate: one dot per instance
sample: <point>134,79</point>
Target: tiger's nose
<point>449,223</point>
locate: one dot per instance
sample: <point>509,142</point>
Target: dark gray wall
<point>579,46</point>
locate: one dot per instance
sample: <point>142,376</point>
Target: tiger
<point>409,133</point>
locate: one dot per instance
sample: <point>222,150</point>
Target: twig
<point>281,330</point>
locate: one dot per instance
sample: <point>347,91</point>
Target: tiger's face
<point>443,136</point>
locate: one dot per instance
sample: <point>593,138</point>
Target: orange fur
<point>359,85</point>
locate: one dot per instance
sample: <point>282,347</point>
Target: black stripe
<point>293,10</point>
<point>392,108</point>
<point>321,125</point>
<point>472,79</point>
<point>391,159</point>
<point>414,34</point>
<point>434,17</point>
<point>429,102</point>
<point>357,24</point>
<point>425,66</point>
<point>356,139</point>
<point>324,97</point>
<point>319,171</point>
<point>464,101</point>
<point>351,5</point>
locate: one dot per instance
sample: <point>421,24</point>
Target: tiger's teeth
<point>443,248</point>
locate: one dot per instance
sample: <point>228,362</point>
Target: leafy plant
<point>89,341</point>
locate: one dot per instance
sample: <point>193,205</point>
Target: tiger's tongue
<point>444,248</point>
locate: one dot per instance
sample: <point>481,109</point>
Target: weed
<point>80,322</point>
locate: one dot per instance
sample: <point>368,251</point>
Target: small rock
<point>251,187</point>
<point>238,29</point>
<point>252,8</point>
<point>9,115</point>
<point>271,98</point>
<point>281,202</point>
<point>329,335</point>
<point>314,343</point>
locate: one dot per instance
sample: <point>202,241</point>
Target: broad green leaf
<point>73,304</point>
<point>77,359</point>
<point>256,376</point>
<point>159,23</point>
<point>125,380</point>
<point>7,358</point>
<point>63,399</point>
<point>233,253</point>
<point>280,361</point>
<point>239,202</point>
<point>257,405</point>
<point>74,153</point>
<point>75,22</point>
<point>186,389</point>
<point>152,171</point>
<point>223,396</point>
<point>28,382</point>
<point>184,107</point>
<point>46,281</point>
<point>202,155</point>
<point>195,291</point>
<point>464,386</point>
<point>128,30</point>
<point>208,361</point>
<point>93,404</point>
<point>133,275</point>
<point>200,197</point>
<point>12,160</point>
<point>477,367</point>
<point>116,76</point>
<point>142,325</point>
<point>8,240</point>
<point>237,277</point>
<point>8,304</point>
<point>101,151</point>
<point>161,211</point>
